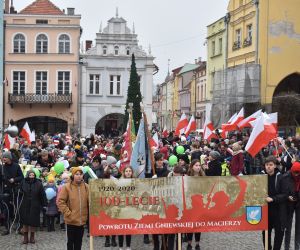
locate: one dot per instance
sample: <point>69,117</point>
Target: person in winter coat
<point>33,199</point>
<point>237,161</point>
<point>276,199</point>
<point>97,168</point>
<point>51,210</point>
<point>78,160</point>
<point>161,170</point>
<point>11,176</point>
<point>45,160</point>
<point>194,170</point>
<point>214,165</point>
<point>73,203</point>
<point>291,188</point>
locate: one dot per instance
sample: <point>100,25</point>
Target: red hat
<point>295,167</point>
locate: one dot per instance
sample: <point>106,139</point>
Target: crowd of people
<point>34,187</point>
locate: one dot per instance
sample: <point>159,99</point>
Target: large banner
<point>178,205</point>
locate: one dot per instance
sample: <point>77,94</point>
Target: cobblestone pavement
<point>209,241</point>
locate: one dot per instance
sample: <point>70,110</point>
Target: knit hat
<point>184,157</point>
<point>7,155</point>
<point>76,169</point>
<point>51,179</point>
<point>214,154</point>
<point>79,153</point>
<point>296,169</point>
<point>111,160</point>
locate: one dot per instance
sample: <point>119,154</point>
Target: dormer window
<point>116,50</point>
<point>104,50</point>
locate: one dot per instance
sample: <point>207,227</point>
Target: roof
<point>177,70</point>
<point>117,20</point>
<point>42,7</point>
<point>188,67</point>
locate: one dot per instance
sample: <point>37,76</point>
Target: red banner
<point>178,205</point>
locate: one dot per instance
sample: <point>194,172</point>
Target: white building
<point>105,76</point>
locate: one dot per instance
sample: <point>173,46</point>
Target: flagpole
<point>148,141</point>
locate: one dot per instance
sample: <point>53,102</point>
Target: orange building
<point>42,67</point>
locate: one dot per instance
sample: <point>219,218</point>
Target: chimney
<point>71,11</point>
<point>6,10</point>
<point>88,44</point>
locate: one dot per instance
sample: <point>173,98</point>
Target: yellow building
<point>216,61</point>
<point>267,34</point>
<point>279,56</point>
<point>242,32</point>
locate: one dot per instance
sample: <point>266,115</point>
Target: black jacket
<point>14,171</point>
<point>99,172</point>
<point>162,172</point>
<point>214,168</point>
<point>32,200</point>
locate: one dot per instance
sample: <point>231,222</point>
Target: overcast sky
<point>176,29</point>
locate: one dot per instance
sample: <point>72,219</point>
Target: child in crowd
<point>51,210</point>
<point>127,173</point>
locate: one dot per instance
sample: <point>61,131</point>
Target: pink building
<point>42,67</point>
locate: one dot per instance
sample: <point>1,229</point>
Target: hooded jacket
<point>73,203</point>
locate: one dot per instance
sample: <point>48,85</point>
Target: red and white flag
<point>273,119</point>
<point>233,122</point>
<point>9,141</point>
<point>182,124</point>
<point>208,129</point>
<point>262,133</point>
<point>32,136</point>
<point>191,126</point>
<point>224,131</point>
<point>246,122</point>
<point>26,133</point>
<point>154,141</point>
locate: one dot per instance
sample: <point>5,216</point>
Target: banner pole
<point>91,242</point>
<point>179,241</point>
<point>266,240</point>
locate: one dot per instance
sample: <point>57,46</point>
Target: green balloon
<point>37,172</point>
<point>180,150</point>
<point>173,160</point>
<point>59,167</point>
<point>85,169</point>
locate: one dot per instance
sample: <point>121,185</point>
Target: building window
<point>63,86</point>
<point>19,82</point>
<point>104,49</point>
<point>220,45</point>
<point>41,79</point>
<point>42,44</point>
<point>205,92</point>
<point>19,43</point>
<point>64,44</point>
<point>41,21</point>
<point>198,91</point>
<point>213,48</point>
<point>201,96</point>
<point>94,84</point>
<point>249,32</point>
<point>116,50</point>
<point>238,38</point>
<point>128,51</point>
<point>115,85</point>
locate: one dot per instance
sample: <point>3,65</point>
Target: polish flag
<point>32,136</point>
<point>246,122</point>
<point>224,131</point>
<point>233,122</point>
<point>208,130</point>
<point>182,124</point>
<point>9,141</point>
<point>191,126</point>
<point>154,141</point>
<point>25,132</point>
<point>262,133</point>
<point>273,119</point>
